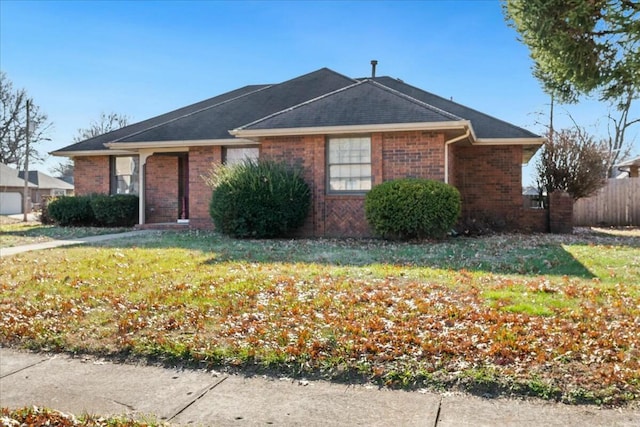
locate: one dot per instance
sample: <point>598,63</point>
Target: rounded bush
<point>258,199</point>
<point>412,208</point>
<point>71,211</point>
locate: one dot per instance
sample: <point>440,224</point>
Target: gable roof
<point>9,177</point>
<point>320,99</point>
<point>363,103</point>
<point>46,182</point>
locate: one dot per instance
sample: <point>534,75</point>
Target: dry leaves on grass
<point>399,322</point>
<point>35,416</point>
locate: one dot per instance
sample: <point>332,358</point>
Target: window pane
<point>237,155</point>
<point>126,177</point>
<point>349,164</point>
<point>350,150</point>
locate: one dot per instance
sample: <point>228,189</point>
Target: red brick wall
<point>91,175</point>
<point>201,161</point>
<point>330,215</point>
<point>560,212</point>
<point>307,152</point>
<point>161,195</point>
<point>489,179</point>
<point>413,154</point>
<point>393,155</point>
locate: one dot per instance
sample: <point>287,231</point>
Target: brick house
<point>347,134</point>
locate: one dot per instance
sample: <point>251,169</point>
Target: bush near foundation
<point>71,211</point>
<point>94,210</point>
<point>412,208</point>
<point>258,199</point>
<point>119,210</point>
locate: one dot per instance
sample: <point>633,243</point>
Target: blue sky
<point>77,59</point>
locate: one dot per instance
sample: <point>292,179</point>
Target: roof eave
<point>530,145</point>
<point>85,153</point>
<point>510,141</point>
<point>177,143</point>
<point>353,129</point>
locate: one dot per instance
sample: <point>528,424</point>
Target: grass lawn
<point>552,316</point>
<point>15,232</point>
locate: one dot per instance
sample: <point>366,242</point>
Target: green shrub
<point>119,210</point>
<point>71,211</point>
<point>412,208</point>
<point>258,199</point>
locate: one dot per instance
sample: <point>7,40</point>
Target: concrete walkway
<point>203,398</point>
<point>5,252</point>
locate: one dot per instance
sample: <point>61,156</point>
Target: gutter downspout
<point>467,134</point>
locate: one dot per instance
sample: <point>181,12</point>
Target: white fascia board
<point>332,130</point>
<point>510,141</point>
<point>85,153</point>
<point>184,144</point>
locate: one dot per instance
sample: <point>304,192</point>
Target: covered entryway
<point>165,188</point>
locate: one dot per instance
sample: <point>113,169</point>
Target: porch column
<point>144,154</point>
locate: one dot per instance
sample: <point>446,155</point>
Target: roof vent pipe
<point>373,68</point>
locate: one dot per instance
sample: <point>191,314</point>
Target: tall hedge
<point>412,208</point>
<point>258,199</point>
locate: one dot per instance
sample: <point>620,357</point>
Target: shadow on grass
<point>508,254</point>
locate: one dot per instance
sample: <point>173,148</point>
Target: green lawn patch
<point>552,316</point>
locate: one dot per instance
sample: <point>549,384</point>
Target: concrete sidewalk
<point>201,398</point>
<point>5,252</point>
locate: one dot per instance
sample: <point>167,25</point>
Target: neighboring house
<point>347,134</point>
<point>11,190</point>
<point>533,198</point>
<point>628,169</point>
<point>46,186</point>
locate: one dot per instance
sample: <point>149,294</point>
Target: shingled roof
<point>484,125</point>
<point>363,103</point>
<point>46,182</point>
<point>322,98</point>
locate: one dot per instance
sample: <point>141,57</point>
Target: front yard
<point>551,316</point>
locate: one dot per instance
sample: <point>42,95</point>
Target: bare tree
<point>13,122</point>
<point>63,169</point>
<point>572,161</point>
<point>106,123</point>
<point>619,148</point>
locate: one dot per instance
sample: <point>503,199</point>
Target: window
<point>349,164</point>
<point>235,155</point>
<point>124,174</point>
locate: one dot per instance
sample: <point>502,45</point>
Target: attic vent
<point>373,68</point>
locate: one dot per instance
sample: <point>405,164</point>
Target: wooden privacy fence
<point>617,203</point>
